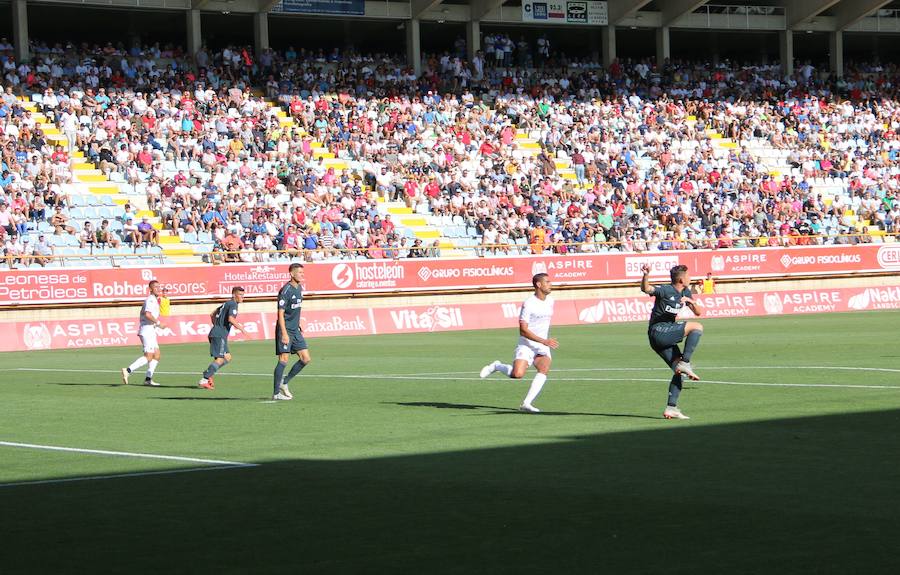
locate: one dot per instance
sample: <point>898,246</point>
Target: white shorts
<point>148,338</point>
<point>528,352</point>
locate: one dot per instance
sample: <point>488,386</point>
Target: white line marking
<point>372,321</point>
<point>126,454</point>
<point>124,475</point>
<point>469,376</point>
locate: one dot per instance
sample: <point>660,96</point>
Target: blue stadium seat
<point>190,238</point>
<point>79,201</point>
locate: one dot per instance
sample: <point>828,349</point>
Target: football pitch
<point>394,457</point>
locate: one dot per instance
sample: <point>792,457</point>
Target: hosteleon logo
<point>889,257</point>
<point>342,276</point>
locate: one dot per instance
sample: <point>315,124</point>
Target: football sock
<point>504,368</point>
<point>279,375</point>
<point>295,369</point>
<point>141,361</point>
<point>690,344</point>
<point>536,384</point>
<point>674,390</point>
<point>151,367</point>
<point>212,369</point>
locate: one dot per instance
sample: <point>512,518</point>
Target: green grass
<point>440,474</point>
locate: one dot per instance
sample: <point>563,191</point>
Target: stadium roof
<point>816,15</point>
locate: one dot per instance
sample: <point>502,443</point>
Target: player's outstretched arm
<point>693,305</point>
<point>645,280</point>
<point>236,324</point>
<point>528,334</point>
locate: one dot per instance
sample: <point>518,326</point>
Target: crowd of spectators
<point>215,160</point>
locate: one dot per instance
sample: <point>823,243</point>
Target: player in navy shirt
<point>223,318</point>
<point>665,332</point>
<point>288,336</point>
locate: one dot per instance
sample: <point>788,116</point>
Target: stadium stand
<point>129,157</point>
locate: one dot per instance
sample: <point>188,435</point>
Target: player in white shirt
<point>535,342</point>
<point>149,322</point>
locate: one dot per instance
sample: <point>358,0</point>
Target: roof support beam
<point>417,7</point>
<point>849,13</point>
<point>198,4</point>
<point>675,9</point>
<point>480,8</point>
<point>799,11</point>
<point>621,9</point>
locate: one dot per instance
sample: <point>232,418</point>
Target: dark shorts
<point>665,334</point>
<point>218,346</point>
<point>298,342</point>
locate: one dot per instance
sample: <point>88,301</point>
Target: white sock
<point>137,363</point>
<point>151,367</point>
<point>536,384</point>
<point>504,368</point>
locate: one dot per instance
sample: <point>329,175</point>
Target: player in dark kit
<point>665,332</point>
<point>288,337</point>
<point>223,318</point>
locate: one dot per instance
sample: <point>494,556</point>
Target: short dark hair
<point>677,272</point>
<point>150,285</point>
<point>237,289</point>
<point>538,278</point>
<point>294,266</point>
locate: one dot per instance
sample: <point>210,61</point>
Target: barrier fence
<point>91,333</point>
<point>76,286</point>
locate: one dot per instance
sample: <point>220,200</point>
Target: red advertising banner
<point>387,276</point>
<point>92,333</point>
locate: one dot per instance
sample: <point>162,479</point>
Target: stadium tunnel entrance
<point>326,34</point>
<point>54,23</point>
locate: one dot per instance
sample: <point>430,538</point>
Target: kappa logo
<point>772,303</point>
<point>36,336</point>
<point>717,264</point>
<point>342,276</point>
<point>785,261</point>
<point>424,274</point>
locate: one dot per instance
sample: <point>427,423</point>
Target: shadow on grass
<point>206,398</point>
<point>132,385</point>
<point>494,410</point>
<point>802,495</point>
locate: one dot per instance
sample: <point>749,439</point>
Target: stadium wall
<point>79,327</point>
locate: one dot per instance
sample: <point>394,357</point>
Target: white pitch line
<point>126,454</point>
<point>125,475</point>
<point>468,375</point>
